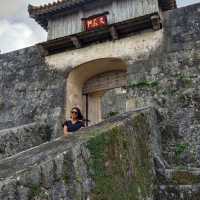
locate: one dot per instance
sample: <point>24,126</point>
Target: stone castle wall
<point>29,90</point>
<point>170,81</point>
<point>167,79</point>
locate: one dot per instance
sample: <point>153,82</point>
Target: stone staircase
<point>178,181</point>
<point>21,138</point>
<point>73,168</point>
<point>179,184</point>
<point>178,172</point>
<point>30,173</point>
<point>122,151</point>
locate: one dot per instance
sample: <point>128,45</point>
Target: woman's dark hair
<point>79,114</point>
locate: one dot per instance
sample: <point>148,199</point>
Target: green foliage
<point>181,148</point>
<point>142,84</point>
<point>111,114</point>
<point>186,77</point>
<point>184,100</point>
<point>1,106</point>
<point>38,193</point>
<point>35,190</point>
<point>66,178</point>
<point>186,80</point>
<point>181,167</point>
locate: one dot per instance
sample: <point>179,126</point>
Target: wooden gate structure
<point>95,88</point>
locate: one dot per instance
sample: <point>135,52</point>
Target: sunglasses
<point>73,112</point>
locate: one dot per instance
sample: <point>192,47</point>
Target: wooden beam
<point>105,81</point>
<point>114,33</point>
<point>117,30</point>
<point>76,41</point>
<point>42,50</point>
<point>156,22</point>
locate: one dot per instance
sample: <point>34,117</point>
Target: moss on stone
<point>121,164</point>
<point>111,114</point>
<point>185,81</point>
<point>67,173</point>
<point>35,190</point>
<point>66,178</point>
<point>181,148</point>
<point>142,84</point>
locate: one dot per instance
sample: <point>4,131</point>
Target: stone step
<point>179,184</point>
<point>21,138</point>
<point>178,176</point>
<point>178,192</point>
<point>48,150</point>
<point>35,156</point>
<point>189,176</point>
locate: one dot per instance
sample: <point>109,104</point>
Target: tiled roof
<point>49,5</point>
<point>54,6</point>
<point>43,12</point>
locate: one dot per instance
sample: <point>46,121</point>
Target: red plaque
<point>94,23</point>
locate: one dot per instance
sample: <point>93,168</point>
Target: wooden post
<point>43,51</point>
<point>87,109</point>
<point>156,22</point>
<point>114,33</point>
<point>76,42</point>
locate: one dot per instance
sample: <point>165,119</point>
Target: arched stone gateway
<point>87,84</point>
<point>97,60</point>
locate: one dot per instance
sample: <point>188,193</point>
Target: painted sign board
<point>95,22</point>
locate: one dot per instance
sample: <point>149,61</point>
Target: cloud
<point>15,36</point>
<point>18,7</point>
<point>186,2</point>
<point>39,2</point>
<point>10,7</point>
<point>17,29</point>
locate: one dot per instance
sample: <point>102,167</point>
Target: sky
<point>18,30</point>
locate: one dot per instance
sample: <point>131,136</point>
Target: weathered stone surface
<point>116,156</point>
<point>29,89</point>
<point>170,81</point>
<point>182,28</point>
<point>15,140</point>
<point>176,192</point>
<point>113,102</point>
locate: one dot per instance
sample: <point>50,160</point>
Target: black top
<point>73,127</point>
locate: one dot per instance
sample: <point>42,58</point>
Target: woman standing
<point>75,123</point>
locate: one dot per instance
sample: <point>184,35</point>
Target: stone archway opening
<point>88,83</point>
